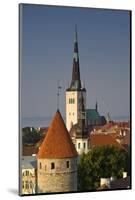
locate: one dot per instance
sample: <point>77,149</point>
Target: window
<point>52,165</point>
<point>69,113</point>
<point>40,165</point>
<point>31,185</point>
<point>23,184</point>
<point>73,113</point>
<point>45,167</point>
<point>67,164</point>
<point>27,185</point>
<point>27,173</point>
<point>84,145</point>
<point>79,145</point>
<point>71,100</point>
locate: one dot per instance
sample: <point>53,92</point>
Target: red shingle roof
<point>102,139</point>
<point>57,143</point>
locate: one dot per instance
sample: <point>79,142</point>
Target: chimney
<point>124,174</point>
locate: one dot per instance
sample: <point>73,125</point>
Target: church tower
<point>75,92</point>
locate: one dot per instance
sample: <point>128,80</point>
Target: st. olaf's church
<point>80,120</point>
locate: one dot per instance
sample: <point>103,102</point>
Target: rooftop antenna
<point>58,94</point>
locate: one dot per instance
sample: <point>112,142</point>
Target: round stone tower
<point>57,160</point>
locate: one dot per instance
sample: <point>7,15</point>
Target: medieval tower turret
<point>75,92</point>
<point>57,160</point>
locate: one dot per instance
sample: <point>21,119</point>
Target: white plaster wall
<point>82,149</point>
<point>71,109</point>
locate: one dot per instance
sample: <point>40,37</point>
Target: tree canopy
<point>101,162</point>
<point>31,135</point>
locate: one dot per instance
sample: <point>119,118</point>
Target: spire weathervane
<point>76,33</point>
<point>58,94</point>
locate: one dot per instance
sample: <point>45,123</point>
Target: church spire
<point>96,106</point>
<point>76,82</point>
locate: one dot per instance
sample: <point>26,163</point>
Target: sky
<point>46,56</point>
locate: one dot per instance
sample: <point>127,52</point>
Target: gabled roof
<point>28,162</point>
<point>122,183</point>
<point>57,143</point>
<point>102,139</point>
<point>29,150</point>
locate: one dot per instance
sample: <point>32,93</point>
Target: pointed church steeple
<point>75,82</point>
<point>96,106</point>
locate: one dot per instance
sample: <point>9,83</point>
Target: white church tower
<point>75,91</point>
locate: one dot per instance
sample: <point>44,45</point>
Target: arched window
<point>27,173</point>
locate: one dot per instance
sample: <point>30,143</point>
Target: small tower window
<point>67,164</point>
<point>79,145</point>
<point>52,165</point>
<point>84,145</point>
<point>40,165</point>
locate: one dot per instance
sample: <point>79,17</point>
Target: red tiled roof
<point>122,183</point>
<point>57,143</point>
<point>29,150</point>
<point>102,139</point>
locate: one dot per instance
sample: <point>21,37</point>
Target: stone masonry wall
<point>59,179</point>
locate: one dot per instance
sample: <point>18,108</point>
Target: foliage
<point>101,162</point>
<point>31,135</point>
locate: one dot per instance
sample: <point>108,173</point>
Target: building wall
<point>73,108</point>
<point>59,179</point>
<point>29,181</point>
<point>82,145</point>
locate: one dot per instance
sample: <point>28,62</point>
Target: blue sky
<point>47,51</point>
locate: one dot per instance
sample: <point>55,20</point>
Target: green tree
<point>101,162</point>
<point>31,135</point>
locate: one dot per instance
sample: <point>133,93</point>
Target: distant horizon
<point>46,120</point>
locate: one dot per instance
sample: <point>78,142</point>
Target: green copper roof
<point>92,114</point>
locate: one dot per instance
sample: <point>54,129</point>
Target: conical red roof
<point>57,143</point>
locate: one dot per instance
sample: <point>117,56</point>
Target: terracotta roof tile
<point>102,139</point>
<point>29,150</point>
<point>57,143</point>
